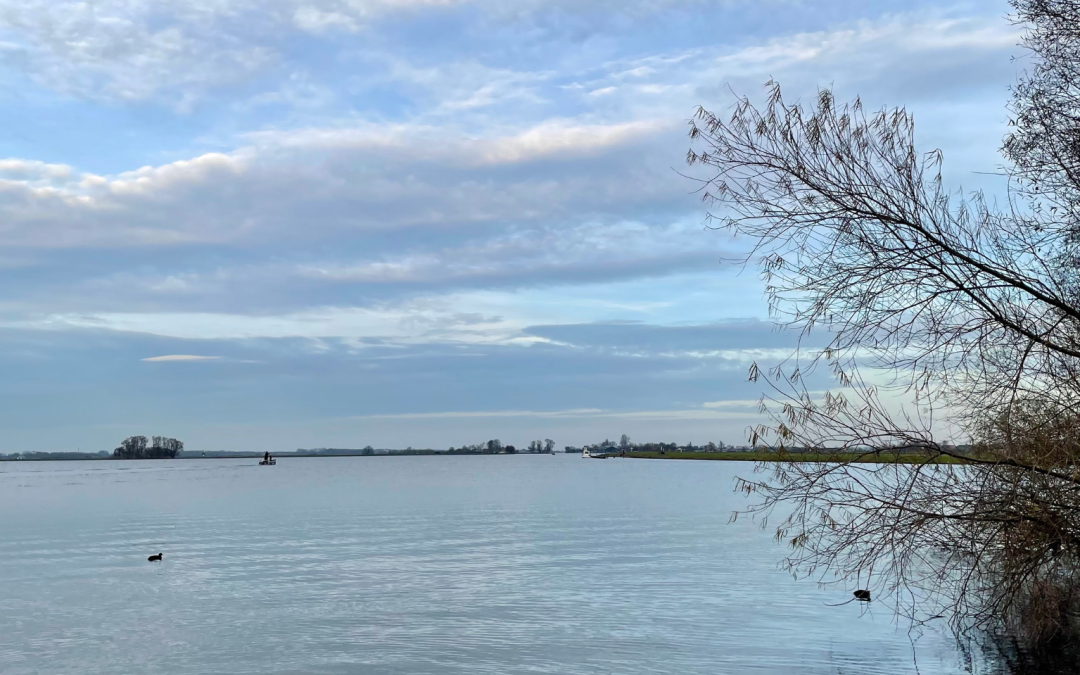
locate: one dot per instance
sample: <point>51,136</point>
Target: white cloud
<point>176,53</point>
<point>122,51</point>
<point>416,321</point>
<point>180,357</point>
<point>598,250</point>
<point>381,176</point>
<point>580,413</point>
<point>348,15</point>
<point>565,139</point>
<point>315,20</point>
<point>515,199</point>
<point>553,138</point>
<point>735,404</point>
<point>367,178</point>
<point>33,172</point>
<point>873,53</point>
<point>135,50</point>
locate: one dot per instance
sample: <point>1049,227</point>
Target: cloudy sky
<point>303,223</point>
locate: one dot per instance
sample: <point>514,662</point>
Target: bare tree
<point>1044,147</point>
<point>135,447</point>
<point>970,313</point>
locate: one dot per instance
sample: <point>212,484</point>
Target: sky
<point>273,224</point>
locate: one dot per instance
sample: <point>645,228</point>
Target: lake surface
<point>497,564</point>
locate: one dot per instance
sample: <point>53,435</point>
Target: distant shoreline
<point>289,455</point>
<point>722,456</point>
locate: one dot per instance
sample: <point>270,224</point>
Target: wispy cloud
<point>180,357</point>
<point>583,413</point>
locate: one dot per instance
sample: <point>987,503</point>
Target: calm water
<point>527,564</point>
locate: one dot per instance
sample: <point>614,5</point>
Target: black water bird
<point>863,596</point>
<point>154,558</point>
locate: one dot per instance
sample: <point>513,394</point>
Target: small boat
<point>272,462</point>
<point>585,453</point>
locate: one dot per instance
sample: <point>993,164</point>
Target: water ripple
<point>412,565</point>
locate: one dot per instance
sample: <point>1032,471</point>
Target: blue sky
<point>302,223</point>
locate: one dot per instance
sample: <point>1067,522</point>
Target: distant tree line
<point>138,447</point>
<point>625,445</point>
<point>334,451</point>
<point>495,446</point>
<point>491,447</point>
<point>56,455</point>
<point>545,446</point>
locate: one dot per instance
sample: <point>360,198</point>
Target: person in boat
<point>266,456</point>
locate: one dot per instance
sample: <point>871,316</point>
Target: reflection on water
<point>528,564</point>
<point>1010,659</point>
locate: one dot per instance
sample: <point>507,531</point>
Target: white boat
<point>266,463</point>
<point>585,453</point>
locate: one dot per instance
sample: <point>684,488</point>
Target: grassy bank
<point>769,456</point>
